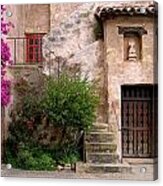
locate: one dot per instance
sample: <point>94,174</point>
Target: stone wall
<point>73,41</point>
<point>60,11</point>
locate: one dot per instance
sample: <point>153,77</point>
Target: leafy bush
<point>47,124</point>
<point>70,102</point>
<point>29,160</point>
<point>69,158</point>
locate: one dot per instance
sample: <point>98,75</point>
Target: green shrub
<point>47,124</point>
<point>70,102</point>
<point>70,158</point>
<point>27,160</point>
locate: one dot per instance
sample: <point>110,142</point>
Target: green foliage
<point>28,159</point>
<point>70,102</point>
<point>69,158</point>
<point>48,121</point>
<point>28,100</point>
<point>43,161</point>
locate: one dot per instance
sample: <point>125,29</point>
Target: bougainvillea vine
<point>5,59</point>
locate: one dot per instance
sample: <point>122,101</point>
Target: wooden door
<point>139,120</point>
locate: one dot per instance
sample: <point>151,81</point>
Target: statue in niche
<point>132,54</point>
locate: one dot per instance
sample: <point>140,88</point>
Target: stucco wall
<point>27,18</point>
<point>122,72</point>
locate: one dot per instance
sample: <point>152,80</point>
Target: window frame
<point>33,56</point>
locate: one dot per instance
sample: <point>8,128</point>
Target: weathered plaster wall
<point>122,72</point>
<point>18,20</point>
<point>27,18</point>
<point>37,18</point>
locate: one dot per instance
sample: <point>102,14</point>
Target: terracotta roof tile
<point>110,10</point>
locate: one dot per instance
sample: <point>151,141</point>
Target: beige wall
<point>122,72</point>
<point>27,18</point>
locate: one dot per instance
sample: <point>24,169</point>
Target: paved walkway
<point>68,174</point>
<point>64,174</point>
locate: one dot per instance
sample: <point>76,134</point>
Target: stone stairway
<point>101,151</point>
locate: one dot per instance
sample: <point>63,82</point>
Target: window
<point>34,48</point>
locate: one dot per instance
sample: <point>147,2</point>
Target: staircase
<point>101,151</point>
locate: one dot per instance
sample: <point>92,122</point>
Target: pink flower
<point>5,59</point>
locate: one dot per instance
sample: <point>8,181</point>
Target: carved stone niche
<point>132,42</point>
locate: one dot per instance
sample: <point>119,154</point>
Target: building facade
<point>123,62</point>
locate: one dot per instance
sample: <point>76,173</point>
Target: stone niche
<point>132,46</point>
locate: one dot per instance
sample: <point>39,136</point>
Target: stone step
<point>101,127</point>
<point>99,137</point>
<point>100,147</point>
<point>108,168</point>
<point>102,158</point>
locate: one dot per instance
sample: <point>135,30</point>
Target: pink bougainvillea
<point>5,59</point>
